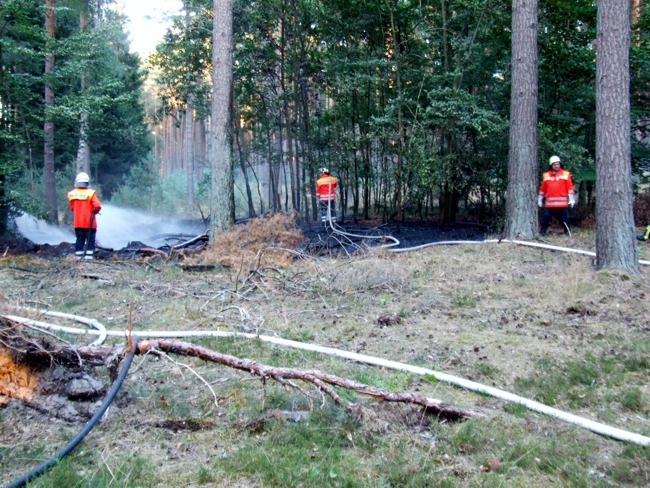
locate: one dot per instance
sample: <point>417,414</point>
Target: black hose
<point>22,481</point>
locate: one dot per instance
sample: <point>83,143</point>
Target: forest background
<point>317,83</point>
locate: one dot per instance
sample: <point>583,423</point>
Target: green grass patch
<point>585,381</point>
<point>516,409</point>
<point>632,399</point>
<point>82,471</point>
<point>311,453</point>
<point>463,300</point>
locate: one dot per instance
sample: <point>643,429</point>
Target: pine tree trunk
<point>189,125</point>
<point>615,233</point>
<point>521,209</point>
<point>48,126</point>
<point>83,151</point>
<point>242,165</point>
<point>222,201</point>
<point>189,149</point>
<point>285,113</point>
<point>400,128</point>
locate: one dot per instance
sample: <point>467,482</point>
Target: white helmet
<point>82,178</point>
<point>325,171</point>
<point>554,159</point>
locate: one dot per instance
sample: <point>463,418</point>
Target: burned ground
<point>409,234</point>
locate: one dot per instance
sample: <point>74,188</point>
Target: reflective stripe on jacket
<point>556,188</point>
<point>326,188</point>
<point>83,202</point>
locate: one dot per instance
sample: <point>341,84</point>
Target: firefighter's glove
<point>572,200</point>
<point>540,201</point>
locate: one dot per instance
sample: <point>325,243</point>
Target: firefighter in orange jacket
<point>326,191</point>
<point>556,195</point>
<point>84,205</point>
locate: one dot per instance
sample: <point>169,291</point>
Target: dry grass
<point>251,245</point>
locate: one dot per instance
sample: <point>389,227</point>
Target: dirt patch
<point>16,380</point>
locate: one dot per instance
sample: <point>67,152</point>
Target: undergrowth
<point>260,242</point>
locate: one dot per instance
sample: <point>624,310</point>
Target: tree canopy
<point>117,132</point>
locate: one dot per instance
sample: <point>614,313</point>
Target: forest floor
<point>538,323</point>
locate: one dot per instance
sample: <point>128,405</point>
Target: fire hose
<point>395,242</point>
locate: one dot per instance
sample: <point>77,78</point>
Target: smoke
<point>40,232</point>
<point>116,227</point>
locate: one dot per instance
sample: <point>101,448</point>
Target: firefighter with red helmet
<point>326,191</point>
<point>556,195</point>
<point>84,205</point>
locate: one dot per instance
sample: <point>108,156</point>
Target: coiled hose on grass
<point>67,449</point>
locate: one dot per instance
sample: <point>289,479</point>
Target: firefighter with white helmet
<point>556,195</point>
<point>84,205</point>
<point>326,191</point>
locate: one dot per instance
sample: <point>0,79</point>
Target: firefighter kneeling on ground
<point>556,195</point>
<point>84,205</point>
<point>326,191</point>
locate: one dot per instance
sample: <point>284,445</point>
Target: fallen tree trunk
<point>43,352</point>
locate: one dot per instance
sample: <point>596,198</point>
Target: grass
<point>538,324</point>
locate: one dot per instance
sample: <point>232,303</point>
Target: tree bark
<point>189,148</point>
<point>48,125</point>
<point>521,211</point>
<point>189,123</point>
<point>83,151</point>
<point>222,202</point>
<point>400,100</point>
<point>615,233</point>
<point>242,164</point>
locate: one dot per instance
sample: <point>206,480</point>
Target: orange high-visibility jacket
<point>326,188</point>
<point>83,202</point>
<point>556,188</point>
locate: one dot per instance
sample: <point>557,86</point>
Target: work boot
<point>79,254</point>
<point>89,256</point>
<point>542,233</point>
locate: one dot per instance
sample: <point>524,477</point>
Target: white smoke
<point>116,227</point>
<point>40,232</point>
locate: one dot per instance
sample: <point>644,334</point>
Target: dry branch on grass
<point>40,351</point>
<point>318,378</point>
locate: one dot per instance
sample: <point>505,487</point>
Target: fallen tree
<point>38,356</point>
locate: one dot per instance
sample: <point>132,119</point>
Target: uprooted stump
<point>55,378</point>
<point>66,391</point>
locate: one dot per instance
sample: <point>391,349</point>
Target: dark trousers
<point>561,214</point>
<point>323,210</point>
<point>82,236</point>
